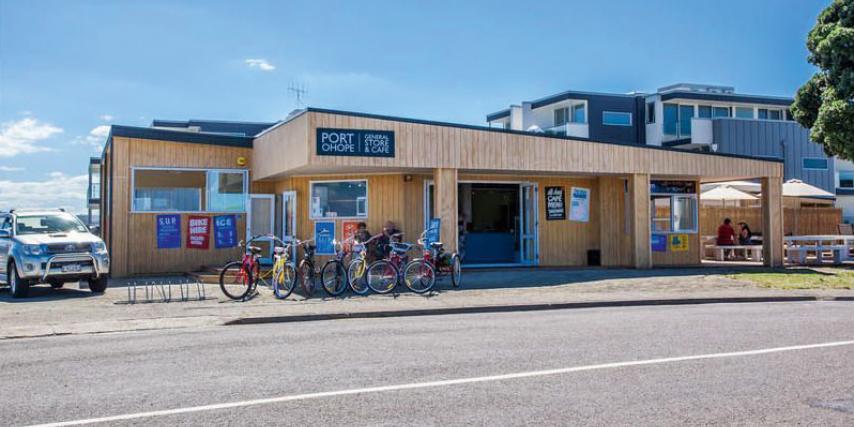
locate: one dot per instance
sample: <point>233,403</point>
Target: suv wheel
<point>98,285</point>
<point>18,287</point>
<point>56,284</point>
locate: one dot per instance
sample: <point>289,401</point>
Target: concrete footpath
<point>76,311</point>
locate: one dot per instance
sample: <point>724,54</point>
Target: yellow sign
<point>678,242</point>
<point>241,161</point>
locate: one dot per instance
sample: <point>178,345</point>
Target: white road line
<point>442,383</point>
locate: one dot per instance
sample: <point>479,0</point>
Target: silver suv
<point>51,247</point>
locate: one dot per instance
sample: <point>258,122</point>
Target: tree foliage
<point>825,103</point>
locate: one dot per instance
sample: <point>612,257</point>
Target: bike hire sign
<point>355,142</point>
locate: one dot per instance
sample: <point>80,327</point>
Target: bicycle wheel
<point>357,276</point>
<point>333,278</point>
<point>419,276</point>
<point>305,274</point>
<point>456,270</point>
<point>235,281</point>
<point>382,276</point>
<point>284,280</point>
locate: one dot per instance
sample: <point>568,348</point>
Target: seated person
<point>726,236</point>
<point>745,236</point>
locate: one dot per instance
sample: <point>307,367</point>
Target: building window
<point>686,113</point>
<point>673,206</point>
<point>789,116</point>
<point>815,163</point>
<point>561,116</point>
<point>846,179</point>
<point>578,115</point>
<point>704,111</point>
<point>671,119</point>
<point>720,112</point>
<point>744,112</point>
<point>342,199</point>
<point>650,112</point>
<point>616,118</point>
<point>177,190</point>
<point>770,114</point>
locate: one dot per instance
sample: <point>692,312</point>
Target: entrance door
<point>529,214</point>
<point>260,222</point>
<point>289,219</point>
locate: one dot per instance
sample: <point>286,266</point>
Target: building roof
<point>234,128</point>
<point>179,136</point>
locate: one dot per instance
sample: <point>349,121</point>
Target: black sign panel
<point>673,187</point>
<point>355,142</point>
<point>555,203</point>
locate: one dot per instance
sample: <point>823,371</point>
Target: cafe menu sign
<point>355,142</point>
<point>555,203</point>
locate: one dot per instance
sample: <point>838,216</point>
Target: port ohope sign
<point>355,142</point>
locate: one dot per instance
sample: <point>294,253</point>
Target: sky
<point>70,68</point>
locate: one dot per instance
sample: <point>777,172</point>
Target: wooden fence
<point>796,221</point>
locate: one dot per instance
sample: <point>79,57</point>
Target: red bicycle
<point>239,278</point>
<point>422,272</point>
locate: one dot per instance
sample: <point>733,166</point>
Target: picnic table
<point>837,245</point>
<point>752,252</point>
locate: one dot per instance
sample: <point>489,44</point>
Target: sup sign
<point>355,142</point>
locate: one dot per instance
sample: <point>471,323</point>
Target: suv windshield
<point>48,223</point>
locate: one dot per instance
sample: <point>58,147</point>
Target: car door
<point>5,243</point>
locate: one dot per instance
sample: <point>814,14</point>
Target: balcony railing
<point>578,130</point>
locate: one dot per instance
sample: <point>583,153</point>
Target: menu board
<point>555,204</point>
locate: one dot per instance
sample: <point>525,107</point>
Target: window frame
<point>804,164</point>
<point>624,113</point>
<point>332,218</point>
<point>564,111</point>
<point>839,179</point>
<point>204,190</point>
<point>673,198</point>
<point>650,113</point>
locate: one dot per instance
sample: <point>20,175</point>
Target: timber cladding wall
<point>133,246</point>
<point>796,221</point>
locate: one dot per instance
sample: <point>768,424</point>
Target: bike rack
<point>161,290</point>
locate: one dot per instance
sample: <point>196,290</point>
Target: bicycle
<point>333,275</point>
<point>283,272</point>
<point>384,274</point>
<point>305,270</point>
<point>422,272</point>
<point>238,279</point>
<point>358,268</point>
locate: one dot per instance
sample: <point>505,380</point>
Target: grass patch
<point>800,279</point>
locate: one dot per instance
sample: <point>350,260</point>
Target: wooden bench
<point>798,253</point>
<point>755,251</point>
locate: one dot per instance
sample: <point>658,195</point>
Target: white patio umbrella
<point>725,192</point>
<point>746,186</point>
<point>798,188</point>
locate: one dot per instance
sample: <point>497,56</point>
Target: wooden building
<point>503,198</point>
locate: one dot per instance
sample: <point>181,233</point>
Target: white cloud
<point>261,64</point>
<point>96,138</point>
<point>107,118</point>
<point>10,169</point>
<point>58,191</point>
<point>23,136</point>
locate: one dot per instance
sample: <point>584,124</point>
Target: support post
<point>446,206</point>
<point>640,221</point>
<point>772,221</point>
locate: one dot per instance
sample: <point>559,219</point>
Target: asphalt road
<point>724,381</point>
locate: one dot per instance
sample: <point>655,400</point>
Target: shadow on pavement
<point>44,293</point>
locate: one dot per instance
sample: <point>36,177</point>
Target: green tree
<point>825,103</point>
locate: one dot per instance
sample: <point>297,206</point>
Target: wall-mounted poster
<point>678,242</point>
<point>348,229</point>
<point>555,204</point>
<point>658,242</point>
<point>225,231</point>
<point>324,234</point>
<point>168,231</point>
<point>198,232</point>
<point>579,208</point>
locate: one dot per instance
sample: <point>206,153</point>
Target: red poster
<point>348,229</point>
<point>198,232</point>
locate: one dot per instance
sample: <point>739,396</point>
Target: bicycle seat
<point>436,245</point>
<point>254,249</point>
<point>279,250</point>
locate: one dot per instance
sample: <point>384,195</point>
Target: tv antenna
<point>298,91</point>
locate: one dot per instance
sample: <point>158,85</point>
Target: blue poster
<point>168,231</point>
<point>433,230</point>
<point>225,231</point>
<point>324,234</point>
<point>659,242</point>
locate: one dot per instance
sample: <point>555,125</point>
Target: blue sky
<point>69,68</point>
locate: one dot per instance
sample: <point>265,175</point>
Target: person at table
<point>726,236</point>
<point>745,236</point>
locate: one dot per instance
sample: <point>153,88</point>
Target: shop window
<point>226,191</point>
<point>176,190</point>
<point>344,199</point>
<point>673,206</point>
